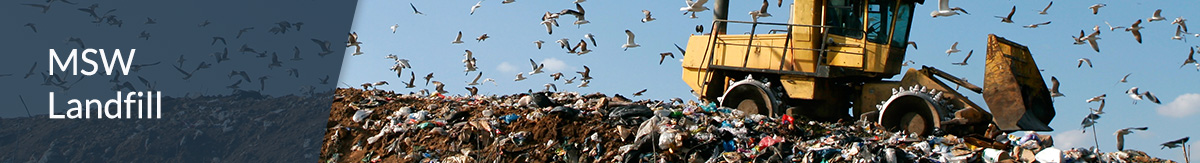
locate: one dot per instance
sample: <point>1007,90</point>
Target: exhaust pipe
<point>720,12</point>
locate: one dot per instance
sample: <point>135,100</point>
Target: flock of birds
<point>110,17</point>
<point>944,10</point>
<point>550,21</point>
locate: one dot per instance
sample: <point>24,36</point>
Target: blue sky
<point>425,41</point>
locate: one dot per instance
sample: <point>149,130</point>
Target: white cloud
<point>554,65</point>
<point>1184,105</point>
<point>506,67</point>
<point>1072,139</point>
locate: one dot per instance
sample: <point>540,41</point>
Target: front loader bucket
<point>1014,90</point>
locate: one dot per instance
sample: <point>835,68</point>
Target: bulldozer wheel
<point>750,97</point>
<point>909,111</point>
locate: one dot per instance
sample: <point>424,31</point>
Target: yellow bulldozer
<point>831,59</point>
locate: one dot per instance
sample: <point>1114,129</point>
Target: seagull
<point>580,1</point>
<point>1097,98</point>
<point>1096,8</point>
<point>547,23</point>
<point>581,47</point>
<point>1054,87</point>
<point>507,1</point>
<point>1089,121</point>
<point>585,73</point>
<point>1121,136</point>
<point>458,39</point>
<point>476,81</point>
<point>539,43</point>
<point>578,13</point>
<point>393,27</point>
<point>761,12</point>
<point>215,39</point>
<point>427,77</point>
<point>681,51</point>
<point>520,77</point>
<point>906,63</point>
<point>663,56</point>
<point>556,75</point>
<point>411,80</point>
<point>234,85</point>
<point>1091,39</point>
<point>944,10</point>
<point>964,62</point>
<point>490,80</point>
<point>483,37</point>
<point>914,44</point>
<point>1133,94</point>
<point>324,80</point>
<point>1181,22</point>
<point>419,12</point>
<point>145,35</point>
<point>550,85</point>
<point>1135,29</point>
<point>45,7</point>
<point>699,28</point>
<point>1157,16</point>
<point>31,26</point>
<point>569,81</point>
<point>551,18</point>
<point>1124,79</point>
<point>1190,58</point>
<point>1098,111</point>
<point>629,43</point>
<point>563,43</point>
<point>648,18</point>
<point>31,69</point>
<point>537,68</point>
<point>1043,12</point>
<point>693,6</point>
<point>469,55</point>
<point>1151,97</point>
<point>1178,33</point>
<point>1112,28</point>
<point>1036,25</point>
<point>1083,60</point>
<point>1079,40</point>
<point>591,37</point>
<point>639,93</point>
<point>440,87</point>
<point>474,91</point>
<point>584,84</point>
<point>353,41</point>
<point>477,5</point>
<point>295,54</point>
<point>1175,143</point>
<point>953,49</point>
<point>1008,19</point>
<point>274,61</point>
<point>204,24</point>
<point>245,76</point>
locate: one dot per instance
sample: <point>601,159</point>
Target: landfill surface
<point>383,126</point>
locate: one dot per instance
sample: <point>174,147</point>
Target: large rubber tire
<point>751,97</point>
<point>911,113</point>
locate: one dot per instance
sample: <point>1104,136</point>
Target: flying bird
<point>550,85</point>
<point>578,13</point>
<point>699,28</point>
<point>647,18</point>
<point>629,42</point>
<point>569,81</point>
<point>584,84</point>
<point>681,51</point>
<point>1133,94</point>
<point>393,27</point>
<point>215,39</point>
<point>1178,33</point>
<point>144,35</point>
<point>663,56</point>
<point>520,77</point>
<point>1181,22</point>
<point>556,75</point>
<point>439,87</point>
<point>476,81</point>
<point>1096,8</point>
<point>1097,98</point>
<point>761,12</point>
<point>474,91</point>
<point>1121,136</point>
<point>1054,87</point>
<point>324,80</point>
<point>1091,39</point>
<point>953,49</point>
<point>1190,58</point>
<point>539,43</point>
<point>427,77</point>
<point>32,27</point>
<point>913,43</point>
<point>548,23</point>
<point>1135,29</point>
<point>353,41</point>
<point>31,70</point>
<point>1125,79</point>
<point>1157,16</point>
<point>1112,28</point>
<point>585,73</point>
<point>964,62</point>
<point>296,53</point>
<point>639,93</point>
<point>1084,60</point>
<point>944,10</point>
<point>537,68</point>
<point>419,12</point>
<point>1175,143</point>
<point>1151,97</point>
<point>1036,25</point>
<point>581,48</point>
<point>411,80</point>
<point>591,37</point>
<point>1043,12</point>
<point>44,8</point>
<point>693,7</point>
<point>476,6</point>
<point>458,39</point>
<point>1008,19</point>
<point>507,1</point>
<point>483,37</point>
<point>234,85</point>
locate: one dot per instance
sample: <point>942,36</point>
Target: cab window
<point>903,21</point>
<point>846,17</point>
<point>879,20</point>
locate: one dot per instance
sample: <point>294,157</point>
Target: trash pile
<point>381,126</point>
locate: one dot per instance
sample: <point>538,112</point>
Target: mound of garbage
<point>383,126</point>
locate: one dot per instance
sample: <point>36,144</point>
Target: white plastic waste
<point>361,114</point>
<point>1049,155</point>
